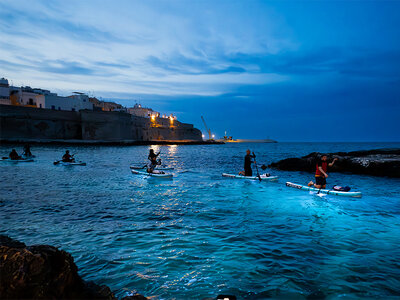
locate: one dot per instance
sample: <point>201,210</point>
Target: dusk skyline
<point>291,71</point>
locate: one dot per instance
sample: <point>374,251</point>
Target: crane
<point>207,129</point>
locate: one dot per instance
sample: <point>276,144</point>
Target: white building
<point>4,92</point>
<point>25,96</point>
<point>140,111</point>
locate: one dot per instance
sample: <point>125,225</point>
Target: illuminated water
<point>199,234</point>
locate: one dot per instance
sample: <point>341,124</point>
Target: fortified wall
<point>27,123</point>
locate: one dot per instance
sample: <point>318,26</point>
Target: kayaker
<point>67,157</point>
<point>153,161</point>
<point>321,172</point>
<point>27,151</point>
<point>14,155</point>
<point>247,164</point>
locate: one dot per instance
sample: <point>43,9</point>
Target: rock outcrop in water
<point>379,162</point>
<point>44,272</point>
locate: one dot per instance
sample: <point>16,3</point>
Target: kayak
<point>263,177</point>
<point>161,168</point>
<point>17,160</point>
<point>323,191</point>
<point>63,163</point>
<point>158,175</point>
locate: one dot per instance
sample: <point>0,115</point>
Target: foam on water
<point>200,234</point>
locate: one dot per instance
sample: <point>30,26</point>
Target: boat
<point>323,191</point>
<point>157,175</point>
<point>161,168</point>
<point>263,177</point>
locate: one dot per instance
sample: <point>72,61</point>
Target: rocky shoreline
<point>45,272</point>
<point>377,162</point>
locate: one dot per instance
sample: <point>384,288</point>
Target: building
<point>4,92</point>
<point>140,111</point>
<point>27,96</point>
<point>106,106</point>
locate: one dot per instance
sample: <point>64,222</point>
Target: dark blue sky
<point>288,70</point>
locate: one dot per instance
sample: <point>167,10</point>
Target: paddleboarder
<point>27,151</point>
<point>321,172</point>
<point>153,161</point>
<point>247,164</point>
<point>67,157</point>
<point>14,155</point>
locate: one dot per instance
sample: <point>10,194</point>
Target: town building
<point>25,96</point>
<point>4,92</point>
<point>34,97</point>
<point>138,110</point>
<point>106,106</point>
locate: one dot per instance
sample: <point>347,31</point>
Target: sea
<point>199,234</point>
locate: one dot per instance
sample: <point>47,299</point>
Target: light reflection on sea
<point>199,234</point>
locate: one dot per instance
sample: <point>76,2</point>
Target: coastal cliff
<point>19,124</point>
<point>379,162</point>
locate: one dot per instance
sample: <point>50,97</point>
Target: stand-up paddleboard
<point>145,173</point>
<point>323,191</point>
<point>17,160</point>
<point>63,163</point>
<point>161,168</point>
<point>263,177</point>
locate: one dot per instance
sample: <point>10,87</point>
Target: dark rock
<point>43,272</point>
<point>135,297</point>
<point>379,162</point>
<point>9,242</point>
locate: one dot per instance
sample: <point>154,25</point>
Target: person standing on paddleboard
<point>321,172</point>
<point>247,164</point>
<point>153,160</point>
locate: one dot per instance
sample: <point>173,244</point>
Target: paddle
<point>258,174</point>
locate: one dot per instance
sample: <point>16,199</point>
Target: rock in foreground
<point>379,162</point>
<point>43,272</point>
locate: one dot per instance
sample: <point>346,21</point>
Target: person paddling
<point>321,172</point>
<point>14,155</point>
<point>67,157</point>
<point>247,164</point>
<point>153,161</point>
<point>27,151</point>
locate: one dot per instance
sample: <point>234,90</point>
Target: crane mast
<point>207,129</point>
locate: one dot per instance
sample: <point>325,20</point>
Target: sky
<point>288,70</point>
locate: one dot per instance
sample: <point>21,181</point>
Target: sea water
<point>199,234</point>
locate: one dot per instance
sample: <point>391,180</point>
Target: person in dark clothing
<point>153,161</point>
<point>27,151</point>
<point>247,164</point>
<point>67,157</point>
<point>321,172</point>
<point>14,155</point>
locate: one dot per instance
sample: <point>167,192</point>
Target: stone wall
<point>19,123</point>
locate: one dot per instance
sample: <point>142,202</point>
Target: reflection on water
<point>199,234</point>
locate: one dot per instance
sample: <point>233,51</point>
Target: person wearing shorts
<point>321,172</point>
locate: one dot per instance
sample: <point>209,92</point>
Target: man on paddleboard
<point>153,161</point>
<point>247,164</point>
<point>67,157</point>
<point>321,172</point>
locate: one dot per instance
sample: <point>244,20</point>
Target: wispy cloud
<point>150,47</point>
